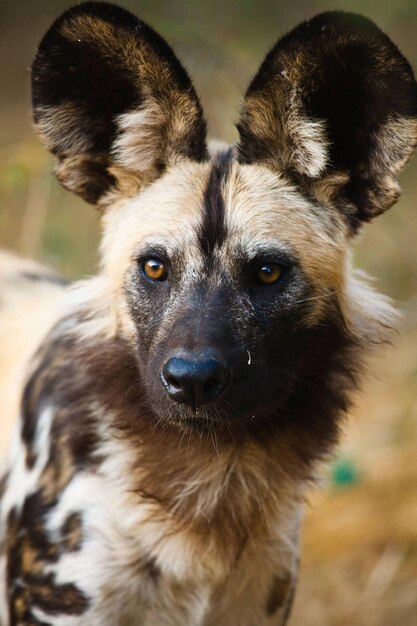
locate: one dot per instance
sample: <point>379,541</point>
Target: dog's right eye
<point>154,270</point>
<point>270,273</point>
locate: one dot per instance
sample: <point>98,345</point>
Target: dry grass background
<point>359,563</point>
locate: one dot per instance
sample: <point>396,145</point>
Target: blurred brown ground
<point>359,564</point>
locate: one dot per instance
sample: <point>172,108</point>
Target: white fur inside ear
<point>395,142</point>
<point>139,144</point>
<point>310,151</point>
<point>309,147</point>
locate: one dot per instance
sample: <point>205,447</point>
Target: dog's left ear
<point>112,102</point>
<point>334,105</point>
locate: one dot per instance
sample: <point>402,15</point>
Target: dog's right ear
<point>334,106</point>
<point>112,102</point>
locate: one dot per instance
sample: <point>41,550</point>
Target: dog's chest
<point>157,574</point>
<point>117,548</point>
<point>202,573</point>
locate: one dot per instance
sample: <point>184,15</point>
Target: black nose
<point>194,380</point>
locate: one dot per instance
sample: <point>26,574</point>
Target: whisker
<point>322,296</point>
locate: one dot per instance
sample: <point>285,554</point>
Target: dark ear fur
<point>334,104</point>
<point>112,102</point>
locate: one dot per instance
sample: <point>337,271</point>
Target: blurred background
<point>359,562</point>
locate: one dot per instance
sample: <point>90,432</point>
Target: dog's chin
<point>200,419</point>
<point>225,421</point>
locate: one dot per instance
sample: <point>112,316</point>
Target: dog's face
<point>223,270</point>
<point>227,268</point>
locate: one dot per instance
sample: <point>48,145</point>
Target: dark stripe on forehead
<point>213,230</point>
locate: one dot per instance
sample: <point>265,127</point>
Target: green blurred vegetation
<point>222,45</point>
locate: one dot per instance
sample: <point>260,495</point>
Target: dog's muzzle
<point>195,378</point>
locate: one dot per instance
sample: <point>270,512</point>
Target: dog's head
<point>228,268</point>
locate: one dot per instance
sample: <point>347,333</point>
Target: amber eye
<point>154,269</point>
<point>270,273</point>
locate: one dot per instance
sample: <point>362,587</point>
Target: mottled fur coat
<point>173,409</point>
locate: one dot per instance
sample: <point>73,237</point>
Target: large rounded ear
<point>112,102</point>
<point>334,105</point>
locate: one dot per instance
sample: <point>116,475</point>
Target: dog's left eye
<point>155,270</point>
<point>270,273</point>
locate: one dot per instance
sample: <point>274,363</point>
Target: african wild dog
<point>178,403</point>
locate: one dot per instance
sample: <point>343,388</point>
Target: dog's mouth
<point>227,421</point>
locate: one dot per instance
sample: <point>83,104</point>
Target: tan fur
<point>172,221</point>
<point>263,207</point>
